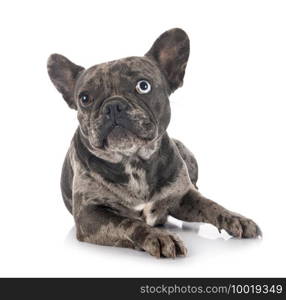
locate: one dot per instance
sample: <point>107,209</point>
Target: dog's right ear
<point>171,52</point>
<point>64,74</point>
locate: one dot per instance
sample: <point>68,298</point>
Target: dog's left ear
<point>64,74</point>
<point>171,52</point>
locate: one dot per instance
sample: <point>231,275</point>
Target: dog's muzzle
<point>115,109</point>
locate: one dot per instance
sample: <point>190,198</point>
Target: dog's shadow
<point>199,238</point>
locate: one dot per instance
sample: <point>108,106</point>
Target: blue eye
<point>85,99</point>
<point>143,87</point>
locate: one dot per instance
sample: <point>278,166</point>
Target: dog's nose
<point>114,108</point>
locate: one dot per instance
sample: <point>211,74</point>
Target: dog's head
<point>124,104</point>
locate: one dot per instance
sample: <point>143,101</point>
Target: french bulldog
<point>123,175</point>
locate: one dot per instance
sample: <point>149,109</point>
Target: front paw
<point>160,243</point>
<point>239,226</point>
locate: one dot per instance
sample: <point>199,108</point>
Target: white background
<point>230,113</point>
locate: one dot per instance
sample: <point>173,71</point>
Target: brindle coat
<point>122,174</point>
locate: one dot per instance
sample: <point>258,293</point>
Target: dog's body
<point>123,174</point>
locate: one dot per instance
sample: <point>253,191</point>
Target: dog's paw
<point>160,243</point>
<point>240,227</point>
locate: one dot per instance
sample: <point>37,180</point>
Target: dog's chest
<point>137,186</point>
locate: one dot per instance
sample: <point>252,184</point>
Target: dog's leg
<point>194,207</point>
<point>100,225</point>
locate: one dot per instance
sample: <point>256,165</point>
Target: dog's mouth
<point>115,132</point>
<point>123,134</point>
<point>119,138</point>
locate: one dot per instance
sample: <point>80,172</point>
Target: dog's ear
<point>171,52</point>
<point>64,74</point>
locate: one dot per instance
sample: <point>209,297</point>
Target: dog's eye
<point>85,99</point>
<point>143,87</point>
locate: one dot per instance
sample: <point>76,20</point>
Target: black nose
<point>114,109</point>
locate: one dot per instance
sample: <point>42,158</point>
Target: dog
<point>123,175</point>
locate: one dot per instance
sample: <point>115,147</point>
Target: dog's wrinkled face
<point>124,104</point>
